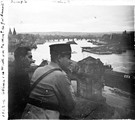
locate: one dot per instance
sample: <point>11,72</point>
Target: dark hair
<point>54,56</point>
<point>21,51</point>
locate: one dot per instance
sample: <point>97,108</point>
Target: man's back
<point>54,88</point>
<point>59,82</point>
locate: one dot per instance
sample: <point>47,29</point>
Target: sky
<point>44,16</point>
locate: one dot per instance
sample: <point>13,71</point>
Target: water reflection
<point>120,62</point>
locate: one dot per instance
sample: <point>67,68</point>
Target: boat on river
<point>94,51</point>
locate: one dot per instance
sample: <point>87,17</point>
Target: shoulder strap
<point>41,77</point>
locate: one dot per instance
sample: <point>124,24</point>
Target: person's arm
<point>64,93</point>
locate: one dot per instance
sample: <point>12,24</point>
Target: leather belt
<point>44,105</point>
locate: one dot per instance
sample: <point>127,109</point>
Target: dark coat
<point>18,87</point>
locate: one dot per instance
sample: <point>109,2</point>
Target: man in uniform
<point>53,95</point>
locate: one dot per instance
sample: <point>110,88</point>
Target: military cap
<point>60,48</point>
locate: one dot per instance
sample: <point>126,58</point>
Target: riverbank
<point>122,81</point>
<point>105,49</point>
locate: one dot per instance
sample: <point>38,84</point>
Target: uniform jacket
<point>55,88</point>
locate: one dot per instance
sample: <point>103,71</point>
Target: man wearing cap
<point>53,94</point>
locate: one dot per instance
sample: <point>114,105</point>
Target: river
<point>120,62</point>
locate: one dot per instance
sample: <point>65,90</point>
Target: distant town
<point>108,43</point>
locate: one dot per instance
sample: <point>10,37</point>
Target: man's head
<point>61,54</point>
<point>23,56</point>
<point>60,49</point>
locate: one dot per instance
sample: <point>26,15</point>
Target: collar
<point>54,65</point>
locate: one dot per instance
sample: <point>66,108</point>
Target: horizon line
<point>79,32</point>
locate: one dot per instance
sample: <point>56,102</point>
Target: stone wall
<point>89,76</point>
